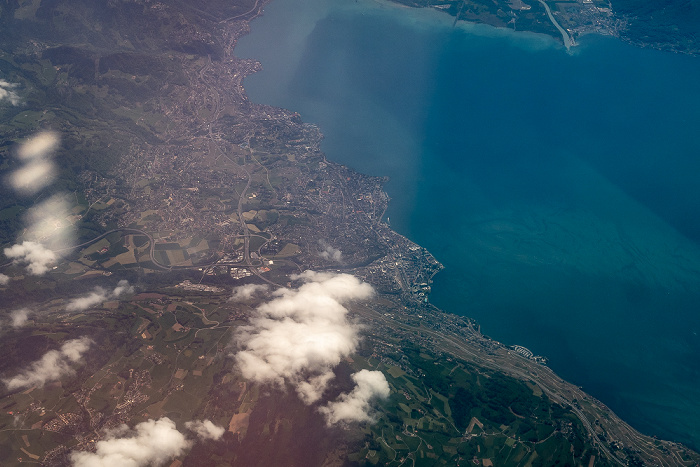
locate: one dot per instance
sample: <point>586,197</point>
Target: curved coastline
<point>628,429</point>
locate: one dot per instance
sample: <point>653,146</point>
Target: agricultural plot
<point>442,412</point>
<point>172,361</point>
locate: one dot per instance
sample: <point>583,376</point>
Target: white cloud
<point>19,317</point>
<point>246,292</point>
<point>50,219</point>
<point>4,279</point>
<point>38,170</point>
<point>95,297</point>
<point>52,366</point>
<point>99,295</point>
<point>301,335</point>
<point>39,146</point>
<point>75,348</point>
<point>48,229</point>
<point>33,176</point>
<point>205,429</point>
<point>122,288</point>
<point>355,406</point>
<point>36,256</point>
<point>7,93</point>
<point>329,253</point>
<point>150,443</point>
<point>50,223</point>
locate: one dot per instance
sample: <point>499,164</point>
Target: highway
<point>503,360</point>
<point>126,231</point>
<point>242,197</point>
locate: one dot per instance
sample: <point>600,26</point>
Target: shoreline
<point>472,27</point>
<point>568,41</point>
<point>625,428</point>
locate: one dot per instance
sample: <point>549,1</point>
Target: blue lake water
<point>561,191</point>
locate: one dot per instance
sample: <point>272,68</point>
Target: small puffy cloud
<point>99,295</point>
<point>329,253</point>
<point>36,256</point>
<point>4,279</point>
<point>301,335</point>
<point>48,225</point>
<point>38,170</point>
<point>75,348</point>
<point>39,146</point>
<point>246,292</point>
<point>52,366</point>
<point>355,406</point>
<point>7,93</point>
<point>205,429</point>
<point>19,317</point>
<point>33,176</point>
<point>122,288</point>
<point>95,297</point>
<point>150,443</point>
<point>49,222</point>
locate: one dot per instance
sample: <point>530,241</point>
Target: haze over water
<point>561,192</point>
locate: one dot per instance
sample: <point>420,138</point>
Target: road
<point>257,2</point>
<point>127,231</point>
<point>511,363</point>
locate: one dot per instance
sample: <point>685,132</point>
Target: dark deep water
<point>560,191</point>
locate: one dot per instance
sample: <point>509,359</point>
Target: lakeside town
<point>220,193</point>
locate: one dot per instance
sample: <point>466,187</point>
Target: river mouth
<point>558,190</point>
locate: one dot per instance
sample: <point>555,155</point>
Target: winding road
<point>127,231</point>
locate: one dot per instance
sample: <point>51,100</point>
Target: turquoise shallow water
<point>560,191</point>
